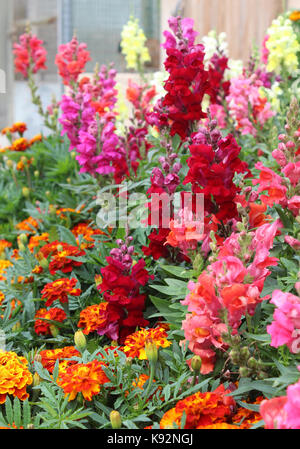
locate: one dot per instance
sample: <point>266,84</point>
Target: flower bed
<point>149,266</point>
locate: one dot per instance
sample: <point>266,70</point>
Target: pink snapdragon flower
<point>29,54</point>
<point>285,329</point>
<point>244,92</point>
<point>71,60</point>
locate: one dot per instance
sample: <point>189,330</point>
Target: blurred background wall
<point>99,24</point>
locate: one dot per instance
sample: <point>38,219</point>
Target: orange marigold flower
<point>295,16</point>
<point>4,244</point>
<point>4,264</point>
<point>59,290</point>
<point>85,378</point>
<point>87,232</point>
<point>60,212</point>
<point>38,269</point>
<point>20,144</point>
<point>93,317</point>
<point>42,327</point>
<point>36,138</point>
<point>134,345</point>
<point>49,356</point>
<point>30,224</point>
<point>18,127</point>
<point>201,409</point>
<point>36,240</point>
<point>59,252</point>
<point>2,297</point>
<point>14,376</point>
<point>245,418</point>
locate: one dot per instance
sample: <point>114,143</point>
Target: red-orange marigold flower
<point>60,252</point>
<point>36,240</point>
<point>20,144</point>
<point>18,127</point>
<point>30,224</point>
<point>59,290</point>
<point>42,327</point>
<point>134,345</point>
<point>85,378</point>
<point>201,409</point>
<point>93,317</point>
<point>49,356</point>
<point>14,376</point>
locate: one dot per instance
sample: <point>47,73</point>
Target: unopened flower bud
<point>9,163</point>
<point>25,192</point>
<point>80,340</point>
<point>54,330</point>
<point>36,174</point>
<point>38,358</point>
<point>36,380</point>
<point>115,419</point>
<point>245,353</point>
<point>196,363</point>
<point>44,263</point>
<point>21,246</point>
<point>244,371</point>
<point>151,351</point>
<point>16,326</point>
<point>252,363</point>
<point>23,238</point>
<point>59,248</point>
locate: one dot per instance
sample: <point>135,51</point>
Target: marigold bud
<point>23,238</point>
<point>36,174</point>
<point>16,326</point>
<point>54,330</point>
<point>59,248</point>
<point>196,363</point>
<point>80,340</point>
<point>25,192</point>
<point>115,419</point>
<point>151,351</point>
<point>36,380</point>
<point>9,163</point>
<point>38,358</point>
<point>44,263</point>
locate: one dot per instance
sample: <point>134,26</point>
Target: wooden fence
<point>244,21</point>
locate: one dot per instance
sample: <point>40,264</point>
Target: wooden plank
<point>244,21</point>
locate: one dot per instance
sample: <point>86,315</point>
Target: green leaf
<point>66,235</point>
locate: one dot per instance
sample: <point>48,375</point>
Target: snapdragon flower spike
<point>164,180</point>
<point>120,286</point>
<point>30,55</point>
<point>230,286</point>
<point>213,162</point>
<point>187,82</point>
<point>71,60</point>
<point>283,188</point>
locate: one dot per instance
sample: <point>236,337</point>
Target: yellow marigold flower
<point>134,345</point>
<point>14,376</point>
<point>85,378</point>
<point>133,45</point>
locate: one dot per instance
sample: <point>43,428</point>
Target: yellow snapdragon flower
<point>133,45</point>
<point>283,47</point>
